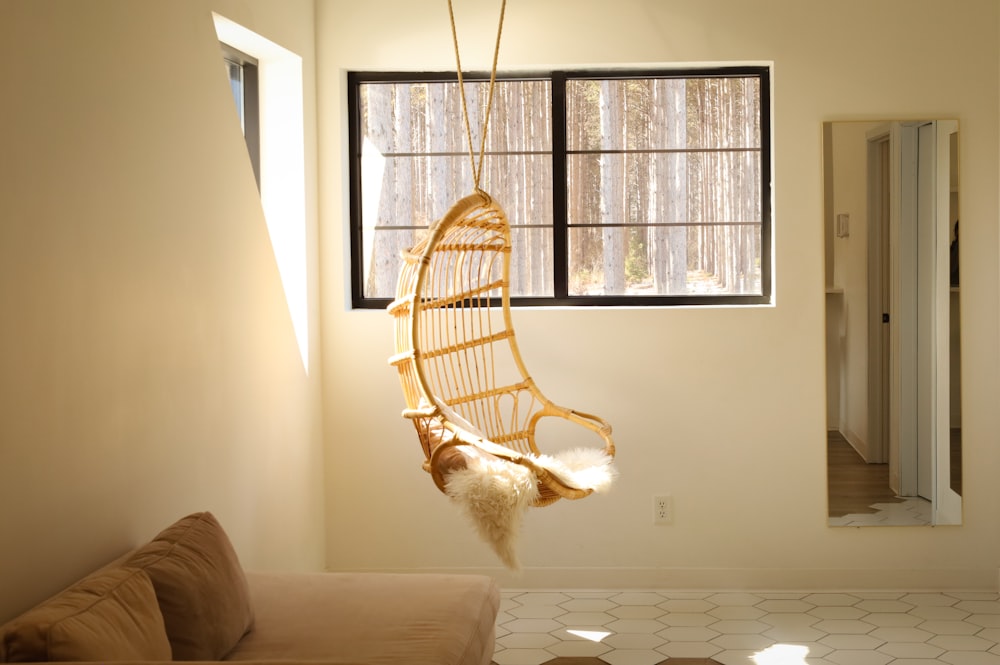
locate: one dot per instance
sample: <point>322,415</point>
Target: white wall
<point>850,275</point>
<point>723,408</point>
<point>148,366</point>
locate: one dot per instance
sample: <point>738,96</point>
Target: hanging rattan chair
<point>466,387</point>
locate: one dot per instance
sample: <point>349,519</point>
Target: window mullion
<point>560,241</point>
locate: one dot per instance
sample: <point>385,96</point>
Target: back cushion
<point>109,615</point>
<point>200,585</point>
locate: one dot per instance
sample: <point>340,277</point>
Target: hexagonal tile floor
<point>741,628</point>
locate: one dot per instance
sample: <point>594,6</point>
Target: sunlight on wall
<point>282,164</point>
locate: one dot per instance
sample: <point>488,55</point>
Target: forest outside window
<point>622,188</point>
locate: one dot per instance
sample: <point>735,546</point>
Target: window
<point>622,188</point>
<point>242,71</point>
<point>272,107</point>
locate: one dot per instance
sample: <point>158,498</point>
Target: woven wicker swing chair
<point>468,392</point>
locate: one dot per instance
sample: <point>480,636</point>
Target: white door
<point>924,229</point>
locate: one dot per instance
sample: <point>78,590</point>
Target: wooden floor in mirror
<point>855,486</point>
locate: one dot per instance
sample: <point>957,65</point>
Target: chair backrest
<point>452,347</point>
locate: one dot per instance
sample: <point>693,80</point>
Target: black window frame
<point>560,230</point>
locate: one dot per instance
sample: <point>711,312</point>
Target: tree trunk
<point>439,123</point>
<point>670,191</point>
<point>540,203</point>
<point>612,191</point>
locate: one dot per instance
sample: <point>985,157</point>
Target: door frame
<point>881,172</point>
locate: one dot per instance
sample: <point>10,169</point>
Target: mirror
<point>893,349</point>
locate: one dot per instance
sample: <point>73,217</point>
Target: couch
<point>185,596</point>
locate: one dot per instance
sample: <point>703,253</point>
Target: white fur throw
<point>495,493</point>
<point>583,468</point>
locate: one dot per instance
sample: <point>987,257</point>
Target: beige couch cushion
<point>371,618</point>
<point>109,615</point>
<point>200,586</point>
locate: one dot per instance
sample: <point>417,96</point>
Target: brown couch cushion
<point>200,586</point>
<point>109,615</point>
<point>371,618</point>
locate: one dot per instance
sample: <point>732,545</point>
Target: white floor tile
<point>689,634</point>
<point>635,626</point>
<point>575,619</point>
<point>526,641</point>
<point>893,620</point>
<point>634,641</point>
<point>632,657</point>
<point>541,598</point>
<point>940,613</point>
<point>844,626</point>
<point>961,643</point>
<point>870,606</point>
<point>794,634</point>
<point>792,606</point>
<point>638,598</point>
<point>522,657</point>
<point>970,658</point>
<point>743,642</point>
<point>637,612</point>
<point>579,648</point>
<point>735,599</point>
<point>901,634</point>
<point>690,650</point>
<point>978,606</point>
<point>737,612</point>
<point>588,605</point>
<point>859,658</point>
<point>837,612</point>
<point>852,642</point>
<point>929,599</point>
<point>831,599</point>
<point>911,650</point>
<point>681,605</point>
<point>736,628</point>
<point>536,611</point>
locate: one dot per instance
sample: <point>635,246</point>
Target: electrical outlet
<point>663,509</point>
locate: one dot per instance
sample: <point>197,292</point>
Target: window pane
<point>235,72</point>
<point>663,113</point>
<point>668,172</point>
<point>415,164</point>
<point>426,117</point>
<point>723,113</point>
<point>674,260</point>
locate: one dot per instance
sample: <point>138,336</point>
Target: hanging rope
<point>471,399</point>
<point>477,169</point>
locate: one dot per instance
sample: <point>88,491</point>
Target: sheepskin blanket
<point>495,494</point>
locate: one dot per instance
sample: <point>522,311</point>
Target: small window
<point>242,72</point>
<point>622,188</point>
